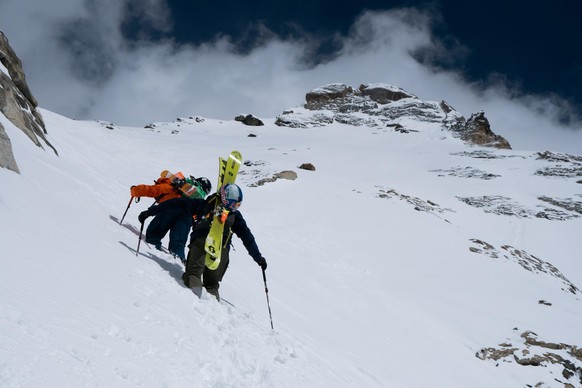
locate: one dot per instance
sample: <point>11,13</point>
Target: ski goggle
<point>232,206</point>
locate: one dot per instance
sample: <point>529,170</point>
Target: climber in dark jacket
<point>197,275</point>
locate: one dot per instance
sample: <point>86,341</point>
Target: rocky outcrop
<point>6,155</point>
<point>561,209</point>
<point>307,166</point>
<point>564,203</point>
<point>287,174</point>
<point>257,173</point>
<point>249,120</point>
<point>322,97</point>
<point>418,204</point>
<point>559,157</point>
<point>340,98</point>
<point>529,351</point>
<point>482,154</point>
<point>384,94</point>
<point>527,261</point>
<point>478,131</point>
<point>466,172</point>
<point>566,165</point>
<point>382,105</point>
<point>18,105</point>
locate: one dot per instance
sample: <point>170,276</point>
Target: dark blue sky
<point>135,62</point>
<point>534,45</point>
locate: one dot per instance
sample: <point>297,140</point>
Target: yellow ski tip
<point>237,156</point>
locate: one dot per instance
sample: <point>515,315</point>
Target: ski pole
<point>139,241</point>
<point>126,209</point>
<point>267,294</point>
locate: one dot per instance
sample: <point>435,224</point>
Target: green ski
<point>227,172</point>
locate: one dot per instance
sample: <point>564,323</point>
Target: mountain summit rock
<point>383,105</point>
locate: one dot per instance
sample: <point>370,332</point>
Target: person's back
<point>176,221</point>
<point>162,190</point>
<point>197,275</point>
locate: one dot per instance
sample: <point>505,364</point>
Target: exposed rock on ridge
<point>529,351</point>
<point>18,105</point>
<point>478,131</point>
<point>527,261</point>
<point>382,105</point>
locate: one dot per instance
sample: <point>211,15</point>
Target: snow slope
<point>372,280</point>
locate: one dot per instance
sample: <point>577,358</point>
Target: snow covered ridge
<point>382,105</point>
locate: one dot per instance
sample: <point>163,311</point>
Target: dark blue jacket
<point>196,207</point>
<point>235,223</point>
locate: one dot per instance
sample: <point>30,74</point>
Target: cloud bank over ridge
<point>79,63</point>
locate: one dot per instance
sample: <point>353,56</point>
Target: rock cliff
<point>18,105</point>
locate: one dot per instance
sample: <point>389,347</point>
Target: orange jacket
<point>161,191</point>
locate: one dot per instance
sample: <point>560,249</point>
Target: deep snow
<point>365,290</point>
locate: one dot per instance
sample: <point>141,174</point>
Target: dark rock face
<point>482,154</point>
<point>527,261</point>
<point>529,351</point>
<point>382,105</point>
<point>466,172</point>
<point>319,98</point>
<point>384,95</point>
<point>18,105</point>
<point>341,98</point>
<point>504,206</point>
<point>478,131</point>
<point>566,165</point>
<point>6,155</point>
<point>558,157</point>
<point>14,66</point>
<point>249,120</point>
<point>567,203</point>
<point>418,204</point>
<point>307,166</point>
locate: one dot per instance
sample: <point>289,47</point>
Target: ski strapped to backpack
<point>227,173</point>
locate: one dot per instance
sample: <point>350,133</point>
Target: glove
<point>143,216</point>
<point>262,262</point>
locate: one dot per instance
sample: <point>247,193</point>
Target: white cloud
<point>105,78</point>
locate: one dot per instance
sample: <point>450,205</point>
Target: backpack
<point>188,187</point>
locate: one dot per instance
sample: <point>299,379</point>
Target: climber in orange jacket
<point>175,221</point>
<point>162,190</point>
